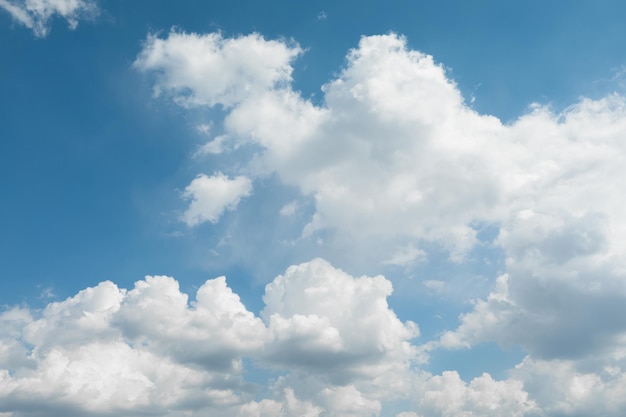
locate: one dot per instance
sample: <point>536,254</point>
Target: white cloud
<point>36,14</point>
<point>289,209</point>
<point>565,388</point>
<point>210,196</point>
<point>285,404</point>
<point>214,333</point>
<point>209,69</point>
<point>326,322</point>
<point>407,256</point>
<point>149,350</point>
<point>395,158</point>
<point>107,351</point>
<point>447,395</point>
<point>434,285</point>
<point>394,155</point>
<point>383,158</point>
<point>215,146</point>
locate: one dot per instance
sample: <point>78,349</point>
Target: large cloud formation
<point>396,160</point>
<point>150,350</point>
<point>392,159</point>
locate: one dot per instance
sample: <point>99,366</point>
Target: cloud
<point>214,333</point>
<point>206,70</point>
<point>563,240</point>
<point>150,350</point>
<point>36,14</point>
<point>447,395</point>
<point>407,256</point>
<point>394,158</point>
<point>565,388</point>
<point>86,356</point>
<point>327,323</point>
<point>381,158</point>
<point>394,155</point>
<point>338,348</point>
<point>285,404</point>
<point>211,196</point>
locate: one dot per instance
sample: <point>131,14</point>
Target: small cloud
<point>46,293</point>
<point>204,128</point>
<point>36,14</point>
<point>174,234</point>
<point>322,15</point>
<point>211,196</point>
<point>407,256</point>
<point>289,209</point>
<point>214,147</point>
<point>434,285</point>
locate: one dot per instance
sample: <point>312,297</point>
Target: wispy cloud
<point>37,14</point>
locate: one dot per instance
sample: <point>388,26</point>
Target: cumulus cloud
<point>567,388</point>
<point>150,350</point>
<point>381,158</point>
<point>394,158</point>
<point>209,69</point>
<point>211,196</point>
<point>101,352</point>
<point>36,14</point>
<point>563,240</point>
<point>339,347</point>
<point>447,395</point>
<point>326,323</point>
<point>214,333</point>
<point>284,404</point>
<point>394,151</point>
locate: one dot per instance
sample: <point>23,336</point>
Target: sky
<point>254,209</point>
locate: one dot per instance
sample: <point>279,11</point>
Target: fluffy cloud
<point>394,151</point>
<point>563,240</point>
<point>393,158</point>
<point>36,14</point>
<point>342,352</point>
<point>210,196</point>
<point>568,388</point>
<point>208,69</point>
<point>214,333</point>
<point>382,157</point>
<point>108,350</point>
<point>392,154</point>
<point>327,322</point>
<point>448,396</point>
<point>285,404</point>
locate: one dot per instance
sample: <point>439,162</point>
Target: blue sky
<point>417,208</point>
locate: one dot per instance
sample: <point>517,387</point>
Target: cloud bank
<point>150,350</point>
